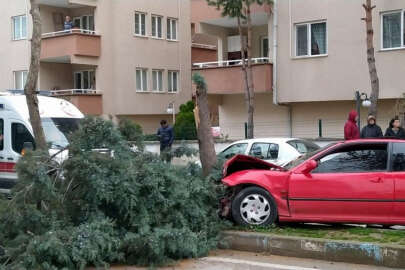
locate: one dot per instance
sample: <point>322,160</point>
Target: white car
<point>278,151</point>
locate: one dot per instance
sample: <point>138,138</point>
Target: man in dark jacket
<point>372,130</point>
<point>166,137</point>
<point>351,130</point>
<point>395,130</point>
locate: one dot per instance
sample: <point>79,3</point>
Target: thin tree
<point>30,89</point>
<point>241,10</point>
<point>375,83</point>
<point>208,156</point>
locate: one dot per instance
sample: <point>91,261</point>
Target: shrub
<point>185,128</point>
<point>119,207</point>
<point>131,131</point>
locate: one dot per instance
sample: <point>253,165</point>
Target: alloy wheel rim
<point>255,209</point>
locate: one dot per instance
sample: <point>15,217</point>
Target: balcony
<point>226,77</point>
<point>89,102</point>
<point>70,46</point>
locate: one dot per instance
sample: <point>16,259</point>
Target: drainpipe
<point>275,66</point>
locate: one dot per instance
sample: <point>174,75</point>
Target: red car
<point>360,181</point>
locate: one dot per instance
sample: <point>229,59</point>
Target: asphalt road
<point>232,260</point>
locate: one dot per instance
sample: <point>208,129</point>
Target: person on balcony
<point>68,25</point>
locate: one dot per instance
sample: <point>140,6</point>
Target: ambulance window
<point>20,135</point>
<point>1,134</point>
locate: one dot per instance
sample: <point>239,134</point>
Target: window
<point>20,78</point>
<point>264,46</point>
<point>171,29</point>
<point>303,147</point>
<point>234,150</point>
<point>156,26</point>
<point>173,81</point>
<point>1,134</point>
<point>311,39</point>
<point>157,79</point>
<point>264,150</point>
<point>20,135</point>
<point>142,79</point>
<point>140,24</point>
<point>19,27</point>
<point>85,22</point>
<point>393,30</point>
<point>84,79</point>
<point>355,159</point>
<point>398,157</point>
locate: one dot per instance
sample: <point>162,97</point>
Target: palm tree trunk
<point>375,83</point>
<point>32,78</point>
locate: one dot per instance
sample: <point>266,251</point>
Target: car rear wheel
<point>254,206</point>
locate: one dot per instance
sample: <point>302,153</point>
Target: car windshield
<point>57,130</point>
<point>305,157</point>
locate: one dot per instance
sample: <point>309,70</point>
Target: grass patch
<point>333,232</point>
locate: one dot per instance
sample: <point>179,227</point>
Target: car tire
<point>254,206</point>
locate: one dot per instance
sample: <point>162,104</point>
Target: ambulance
<point>59,119</point>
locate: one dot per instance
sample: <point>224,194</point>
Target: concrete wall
<point>14,55</point>
<point>54,75</point>
<point>199,55</point>
<point>344,70</point>
<point>122,53</point>
<point>270,120</point>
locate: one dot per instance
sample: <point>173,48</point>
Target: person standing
<point>371,130</point>
<point>166,137</point>
<point>351,130</point>
<point>68,24</point>
<point>395,130</point>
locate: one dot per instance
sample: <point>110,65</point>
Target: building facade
<point>122,58</point>
<point>321,60</point>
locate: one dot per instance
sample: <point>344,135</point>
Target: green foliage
<point>199,81</point>
<point>235,8</point>
<point>185,128</point>
<point>102,207</point>
<point>131,131</point>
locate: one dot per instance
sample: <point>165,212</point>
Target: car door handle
<point>10,158</point>
<point>378,180</point>
<point>1,157</point>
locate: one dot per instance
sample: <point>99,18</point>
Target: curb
<point>329,250</point>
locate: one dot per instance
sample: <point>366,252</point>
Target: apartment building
<point>320,61</point>
<point>123,58</point>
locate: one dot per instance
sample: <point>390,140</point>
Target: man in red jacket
<point>351,130</point>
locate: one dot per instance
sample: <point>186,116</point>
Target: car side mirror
<point>309,166</point>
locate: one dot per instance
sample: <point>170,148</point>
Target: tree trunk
<point>248,98</point>
<point>208,156</point>
<point>32,78</point>
<point>375,83</point>
<point>251,104</point>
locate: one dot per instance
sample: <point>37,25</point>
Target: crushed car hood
<point>243,162</point>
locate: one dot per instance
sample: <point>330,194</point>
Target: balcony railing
<point>66,92</point>
<point>260,60</point>
<point>67,32</point>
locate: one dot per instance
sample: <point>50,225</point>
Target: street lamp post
<point>171,110</point>
<point>361,99</point>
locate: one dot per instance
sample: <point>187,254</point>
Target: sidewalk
<point>330,250</point>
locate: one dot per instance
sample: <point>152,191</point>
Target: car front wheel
<point>254,206</point>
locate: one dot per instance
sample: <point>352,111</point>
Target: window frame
<point>160,87</point>
<point>143,83</point>
<point>402,32</point>
<point>13,34</point>
<point>267,155</point>
<point>233,145</point>
<point>169,21</point>
<point>344,148</point>
<point>22,77</point>
<point>309,39</point>
<point>156,17</point>
<point>140,24</point>
<point>262,38</point>
<point>12,136</point>
<point>170,83</point>
<point>82,79</point>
